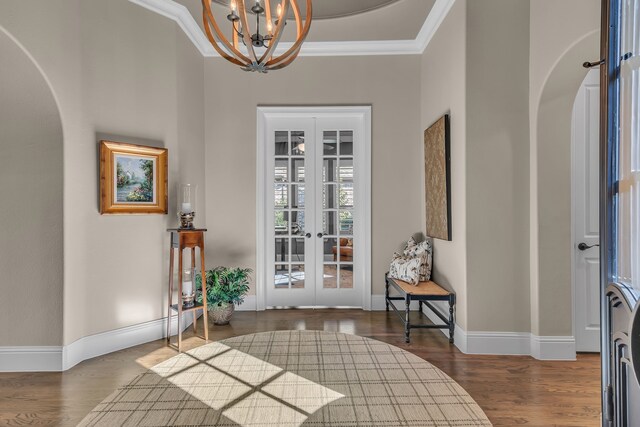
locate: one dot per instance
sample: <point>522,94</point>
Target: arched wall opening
<point>31,202</point>
<point>553,176</point>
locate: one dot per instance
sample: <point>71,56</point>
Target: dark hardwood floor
<point>512,390</point>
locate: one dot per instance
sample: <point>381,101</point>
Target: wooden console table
<point>181,239</point>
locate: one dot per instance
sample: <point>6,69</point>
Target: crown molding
<point>181,15</point>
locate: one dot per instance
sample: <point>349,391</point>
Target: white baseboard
<point>459,334</point>
<point>107,342</point>
<point>249,304</point>
<point>496,343</point>
<point>61,358</point>
<point>503,343</point>
<point>553,347</point>
<point>30,358</point>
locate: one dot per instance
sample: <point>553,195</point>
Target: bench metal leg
<point>386,292</point>
<point>420,307</point>
<point>452,324</point>
<point>407,325</point>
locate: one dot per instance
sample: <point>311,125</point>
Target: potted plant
<point>226,287</point>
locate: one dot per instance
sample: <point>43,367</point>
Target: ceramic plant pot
<point>221,314</point>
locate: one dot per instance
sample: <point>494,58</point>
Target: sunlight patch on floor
<point>246,389</point>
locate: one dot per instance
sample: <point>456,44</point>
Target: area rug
<point>290,379</point>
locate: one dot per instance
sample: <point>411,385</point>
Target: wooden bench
<point>423,292</point>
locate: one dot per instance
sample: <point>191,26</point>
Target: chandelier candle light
<point>260,42</point>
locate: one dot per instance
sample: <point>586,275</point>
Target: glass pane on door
<point>289,214</point>
<point>338,205</point>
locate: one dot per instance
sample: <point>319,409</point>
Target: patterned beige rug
<point>287,379</point>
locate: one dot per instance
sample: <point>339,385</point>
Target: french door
<point>315,208</point>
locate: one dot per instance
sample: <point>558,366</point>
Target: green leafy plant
<point>224,286</point>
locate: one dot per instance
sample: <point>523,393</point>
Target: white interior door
<point>586,116</point>
<point>315,244</point>
<point>290,210</point>
<point>338,221</point>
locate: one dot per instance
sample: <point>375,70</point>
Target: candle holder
<point>186,219</point>
<point>187,205</point>
<point>188,287</point>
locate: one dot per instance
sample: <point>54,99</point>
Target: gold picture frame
<point>437,175</point>
<point>133,179</point>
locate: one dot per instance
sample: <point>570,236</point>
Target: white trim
<point>553,348</point>
<point>435,18</point>
<point>261,220</point>
<point>61,358</point>
<point>107,342</point>
<point>364,165</point>
<point>503,343</point>
<point>249,304</point>
<point>181,15</point>
<point>30,358</point>
<point>497,343</point>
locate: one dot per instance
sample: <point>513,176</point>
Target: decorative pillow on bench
<point>405,268</point>
<point>424,250</point>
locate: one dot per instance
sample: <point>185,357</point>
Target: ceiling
<point>327,9</point>
<point>348,27</point>
<point>351,20</point>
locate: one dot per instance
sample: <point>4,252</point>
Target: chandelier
<point>258,49</point>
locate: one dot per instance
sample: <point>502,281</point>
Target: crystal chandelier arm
<point>278,33</point>
<point>209,22</point>
<point>288,57</point>
<point>242,12</point>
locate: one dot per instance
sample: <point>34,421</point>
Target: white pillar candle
<point>187,288</point>
<point>186,208</point>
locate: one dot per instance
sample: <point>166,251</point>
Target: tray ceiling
<point>326,9</point>
<point>360,19</point>
<point>386,27</point>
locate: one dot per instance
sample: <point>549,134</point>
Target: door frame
<point>363,164</point>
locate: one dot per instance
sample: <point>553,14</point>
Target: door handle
<point>308,235</point>
<point>593,64</point>
<point>583,246</point>
<point>320,235</point>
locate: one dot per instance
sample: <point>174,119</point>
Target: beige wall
<point>443,90</point>
<point>119,71</point>
<point>476,69</point>
<point>389,84</point>
<point>497,165</point>
<point>563,35</point>
<point>31,209</point>
<point>122,72</point>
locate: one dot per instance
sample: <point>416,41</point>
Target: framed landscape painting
<point>437,174</point>
<point>133,179</point>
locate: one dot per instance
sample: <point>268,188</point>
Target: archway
<point>554,187</point>
<point>31,202</point>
